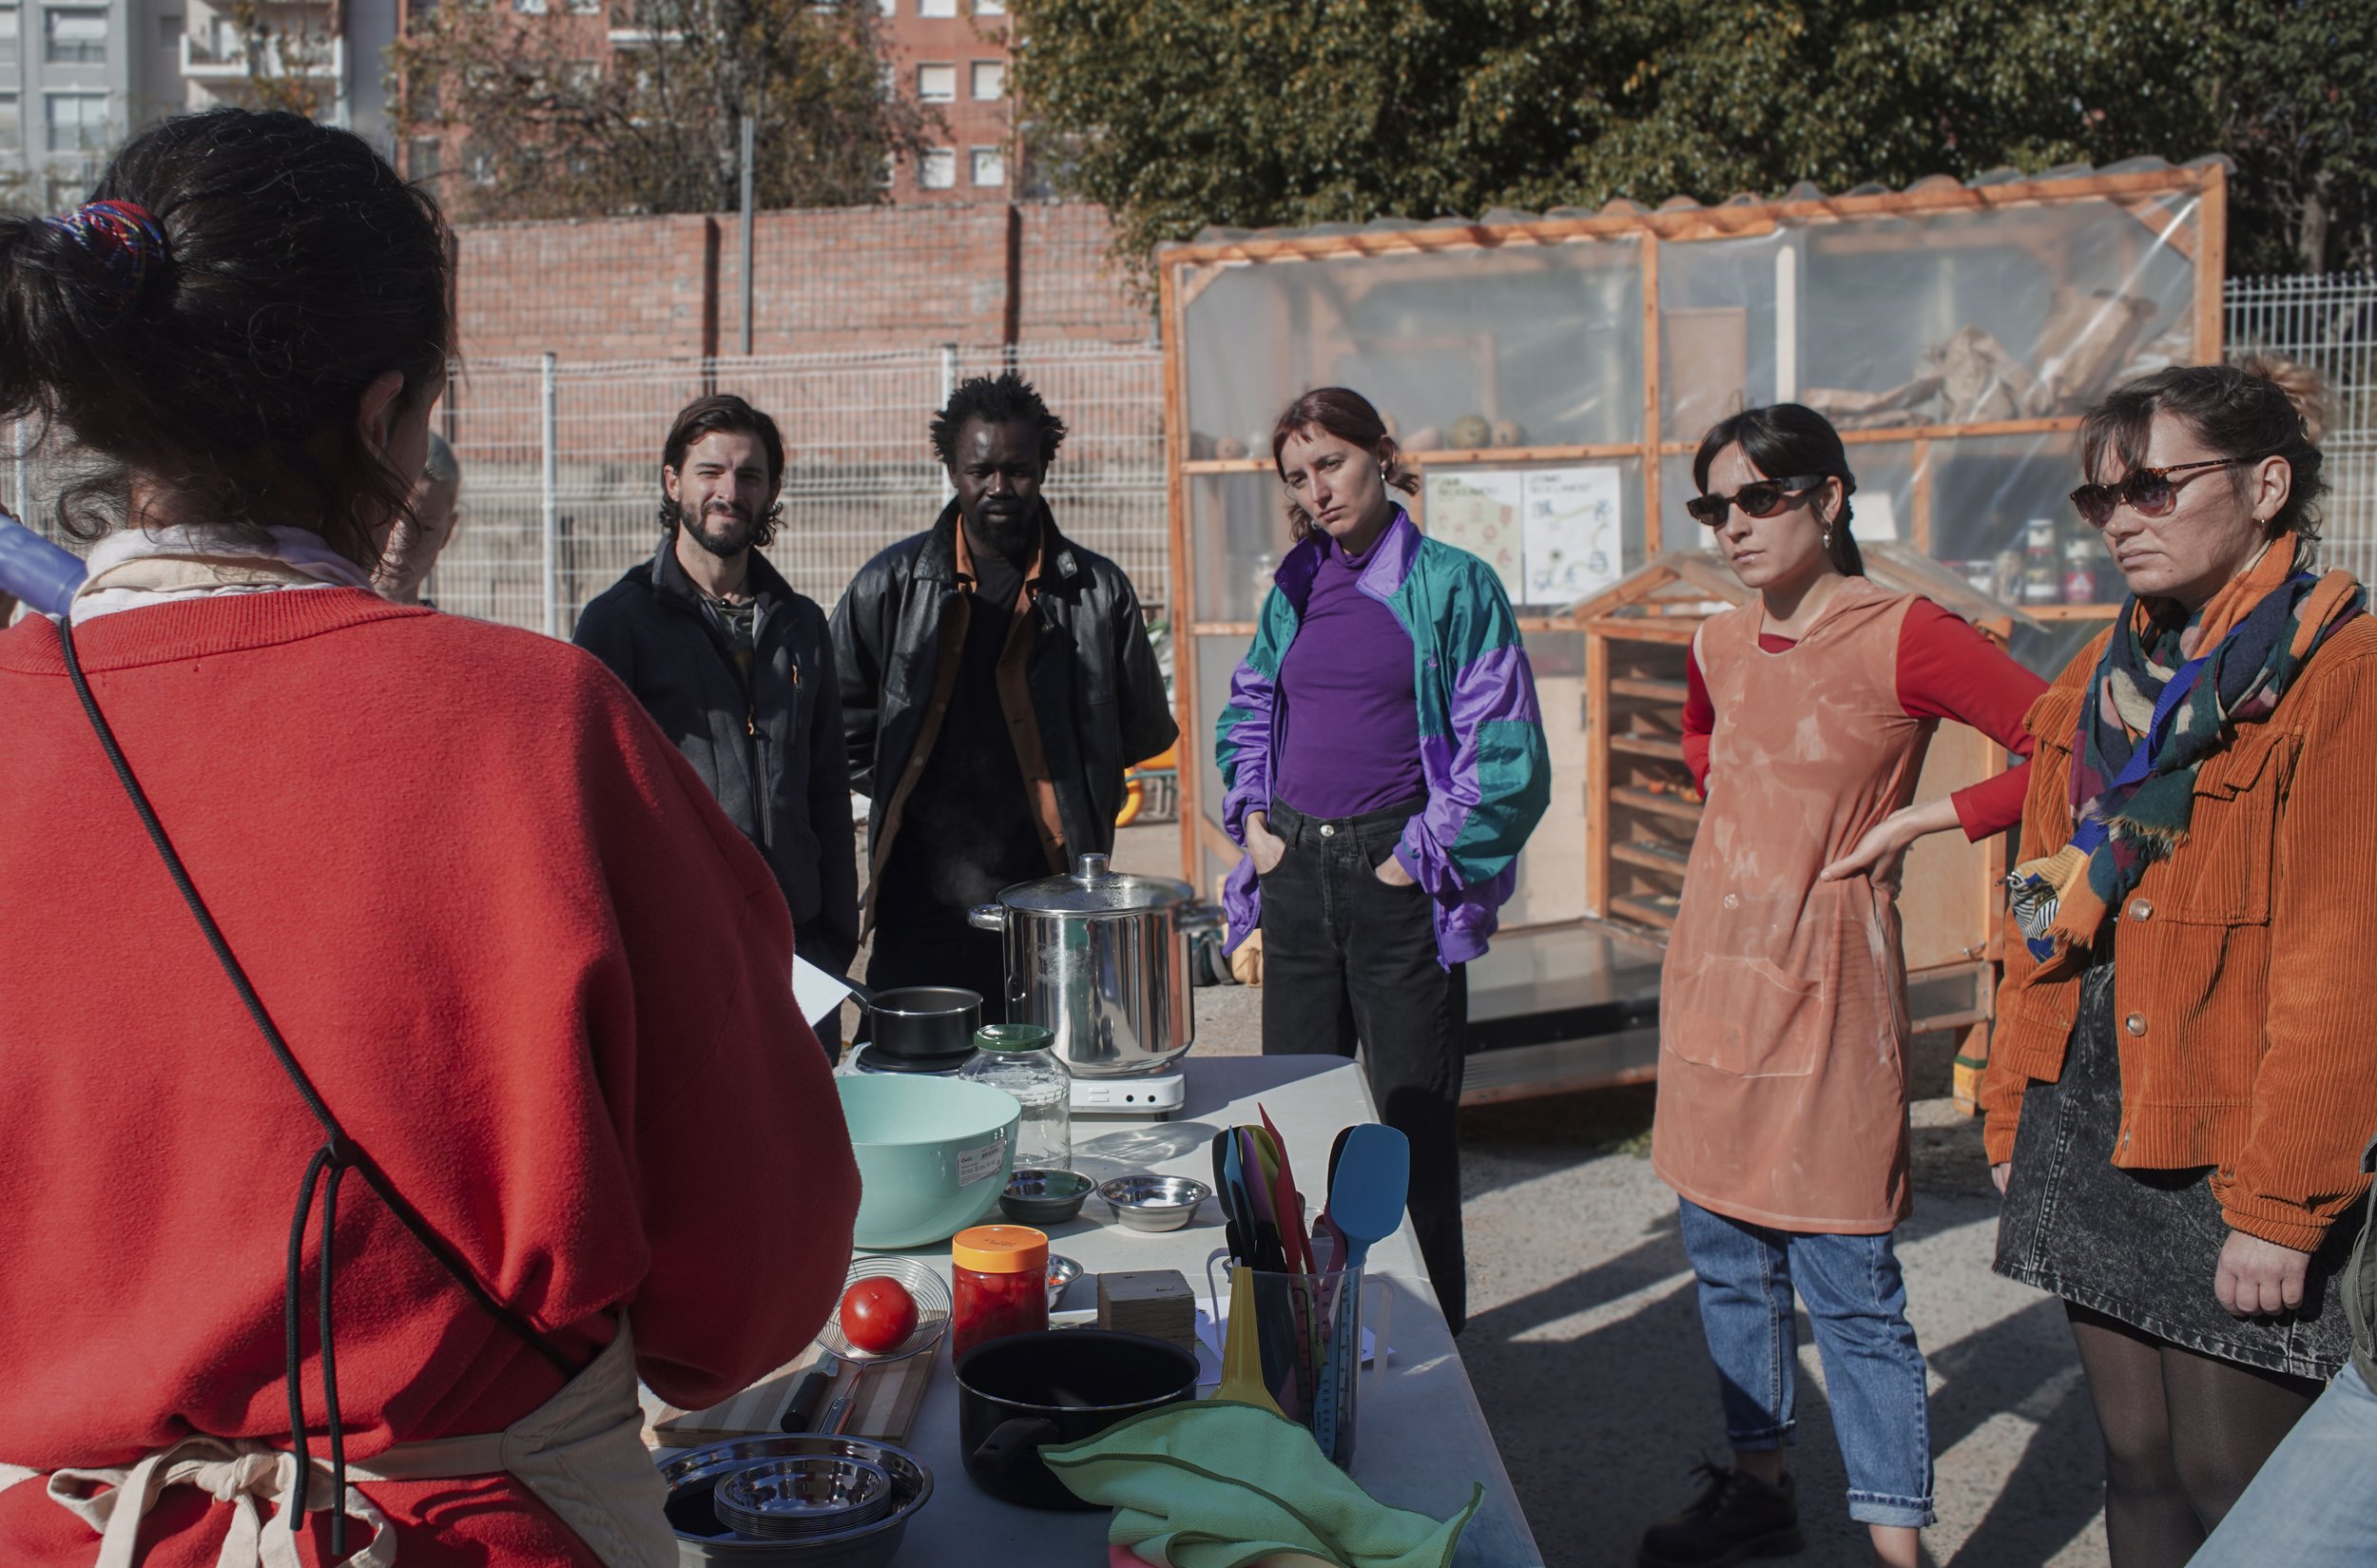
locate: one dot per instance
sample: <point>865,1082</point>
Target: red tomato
<point>878,1314</point>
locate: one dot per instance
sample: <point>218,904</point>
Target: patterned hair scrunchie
<point>124,243</point>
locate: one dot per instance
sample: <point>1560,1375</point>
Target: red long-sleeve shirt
<point>528,962</point>
<point>1946,669</point>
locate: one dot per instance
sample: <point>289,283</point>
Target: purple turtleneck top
<point>1352,733</point>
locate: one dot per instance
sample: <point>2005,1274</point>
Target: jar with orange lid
<point>1000,1273</point>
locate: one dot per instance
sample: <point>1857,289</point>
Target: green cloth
<point>1212,1484</point>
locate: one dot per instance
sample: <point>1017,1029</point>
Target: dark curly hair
<point>708,417</point>
<point>220,355</point>
<point>995,400</point>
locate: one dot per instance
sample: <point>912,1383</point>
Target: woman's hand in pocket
<point>1266,846</point>
<point>1391,872</point>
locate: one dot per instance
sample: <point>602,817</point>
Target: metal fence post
<point>750,141</point>
<point>949,390</point>
<point>549,422</point>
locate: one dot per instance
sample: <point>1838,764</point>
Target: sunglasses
<point>1763,500</point>
<point>2147,491</point>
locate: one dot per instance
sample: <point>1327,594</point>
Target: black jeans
<point>1348,958</point>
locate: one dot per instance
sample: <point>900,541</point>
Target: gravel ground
<point>1585,1346</point>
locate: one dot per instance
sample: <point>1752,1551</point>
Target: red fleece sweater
<point>540,977</point>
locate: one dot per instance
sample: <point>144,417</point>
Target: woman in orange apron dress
<point>1782,1109</point>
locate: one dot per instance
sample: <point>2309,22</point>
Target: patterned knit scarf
<point>2167,694</point>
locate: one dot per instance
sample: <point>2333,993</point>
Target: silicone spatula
<point>1242,1348</point>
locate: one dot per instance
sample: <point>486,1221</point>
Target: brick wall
<point>827,280</point>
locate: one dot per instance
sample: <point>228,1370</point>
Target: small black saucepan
<point>1016,1394</point>
<point>923,1023</point>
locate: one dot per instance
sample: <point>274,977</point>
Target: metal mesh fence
<point>561,459</point>
<point>2329,324</point>
<point>561,465</point>
<point>859,468</point>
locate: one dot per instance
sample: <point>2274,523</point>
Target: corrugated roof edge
<point>1804,191</point>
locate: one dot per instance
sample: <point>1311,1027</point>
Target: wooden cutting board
<point>888,1398</point>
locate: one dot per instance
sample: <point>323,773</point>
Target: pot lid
<point>1093,888</point>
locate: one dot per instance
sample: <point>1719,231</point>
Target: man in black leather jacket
<point>996,679</point>
<point>738,669</point>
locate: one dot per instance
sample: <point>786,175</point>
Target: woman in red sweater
<point>1782,1112</point>
<point>302,884</point>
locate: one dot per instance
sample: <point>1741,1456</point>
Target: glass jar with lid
<point>998,1277</point>
<point>1021,1058</point>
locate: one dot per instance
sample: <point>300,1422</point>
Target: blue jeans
<point>2313,1504</point>
<point>1873,1369</point>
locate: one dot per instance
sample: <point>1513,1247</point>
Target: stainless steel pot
<point>1102,957</point>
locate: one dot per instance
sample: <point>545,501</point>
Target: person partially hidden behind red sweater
<point>524,961</point>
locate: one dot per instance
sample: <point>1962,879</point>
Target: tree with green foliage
<point>551,120</point>
<point>2296,88</point>
<point>1261,112</point>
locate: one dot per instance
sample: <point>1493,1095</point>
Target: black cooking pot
<point>923,1023</point>
<point>1016,1394</point>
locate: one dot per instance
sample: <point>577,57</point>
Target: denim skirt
<point>2143,1246</point>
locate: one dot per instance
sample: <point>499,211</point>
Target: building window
<point>586,8</point>
<point>990,7</point>
<point>937,83</point>
<point>528,8</point>
<point>479,167</point>
<point>936,7</point>
<point>989,165</point>
<point>12,124</point>
<point>886,81</point>
<point>9,15</point>
<point>170,30</point>
<point>78,121</point>
<point>422,159</point>
<point>989,81</point>
<point>890,8</point>
<point>74,37</point>
<point>938,169</point>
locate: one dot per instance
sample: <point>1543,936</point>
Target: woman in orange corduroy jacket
<point>2180,1144</point>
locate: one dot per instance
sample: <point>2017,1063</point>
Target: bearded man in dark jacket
<point>738,669</point>
<point>996,680</point>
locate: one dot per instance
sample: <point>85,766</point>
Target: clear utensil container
<point>1021,1059</point>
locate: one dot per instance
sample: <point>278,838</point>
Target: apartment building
<point>951,56</point>
<point>320,55</point>
<point>76,77</point>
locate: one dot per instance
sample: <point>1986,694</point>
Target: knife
<point>800,1410</point>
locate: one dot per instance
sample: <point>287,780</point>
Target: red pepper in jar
<point>1000,1273</point>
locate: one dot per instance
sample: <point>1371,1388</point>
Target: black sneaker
<point>1737,1516</point>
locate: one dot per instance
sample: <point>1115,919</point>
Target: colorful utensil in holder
<point>1333,1375</point>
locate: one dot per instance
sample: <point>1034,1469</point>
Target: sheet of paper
<point>1479,513</point>
<point>1573,541</point>
<point>1873,516</point>
<point>814,992</point>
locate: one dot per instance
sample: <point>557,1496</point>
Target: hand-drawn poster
<point>1573,545</point>
<point>1479,513</point>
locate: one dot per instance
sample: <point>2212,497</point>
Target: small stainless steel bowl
<point>1045,1197</point>
<point>703,1540</point>
<point>1154,1203</point>
<point>808,1495</point>
<point>1062,1271</point>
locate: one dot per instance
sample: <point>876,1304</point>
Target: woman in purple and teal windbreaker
<point>1384,761</point>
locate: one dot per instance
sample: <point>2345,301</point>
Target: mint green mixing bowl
<point>934,1154</point>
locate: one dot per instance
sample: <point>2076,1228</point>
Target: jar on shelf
<point>998,1276</point>
<point>1021,1058</point>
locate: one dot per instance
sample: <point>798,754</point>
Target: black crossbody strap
<point>337,1155</point>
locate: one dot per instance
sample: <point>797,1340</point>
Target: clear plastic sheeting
<point>1516,346</point>
<point>1978,317</point>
